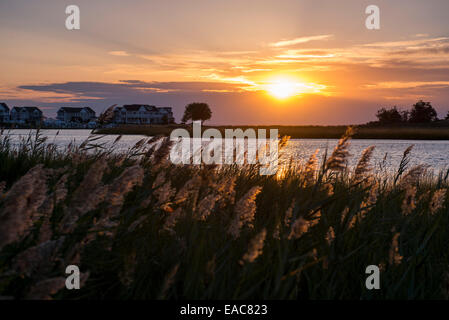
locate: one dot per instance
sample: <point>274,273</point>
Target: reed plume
<point>164,193</point>
<point>162,152</point>
<point>191,187</point>
<point>122,185</point>
<point>160,179</point>
<point>244,211</point>
<point>289,214</point>
<point>226,190</point>
<point>394,257</point>
<point>310,169</point>
<point>87,196</point>
<point>20,205</point>
<point>337,161</point>
<point>38,260</point>
<point>409,204</point>
<point>370,201</point>
<point>255,247</point>
<point>107,116</point>
<point>404,163</point>
<point>206,206</point>
<point>328,189</point>
<point>330,235</point>
<point>299,227</point>
<point>171,220</point>
<point>413,176</point>
<point>363,166</point>
<point>438,199</point>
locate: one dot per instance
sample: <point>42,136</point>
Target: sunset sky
<point>253,62</point>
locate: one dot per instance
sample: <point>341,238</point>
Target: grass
<point>302,132</point>
<point>140,227</point>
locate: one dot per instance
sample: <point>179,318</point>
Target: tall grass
<point>140,227</point>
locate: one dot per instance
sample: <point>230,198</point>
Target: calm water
<point>433,153</point>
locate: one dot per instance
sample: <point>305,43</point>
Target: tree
<point>447,116</point>
<point>387,116</point>
<point>423,112</point>
<point>405,115</point>
<point>197,111</point>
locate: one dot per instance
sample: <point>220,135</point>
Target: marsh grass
<point>140,227</point>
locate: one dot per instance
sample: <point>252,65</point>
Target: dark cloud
<point>430,51</point>
<point>128,87</point>
<point>100,95</point>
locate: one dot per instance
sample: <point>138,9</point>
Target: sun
<point>282,89</point>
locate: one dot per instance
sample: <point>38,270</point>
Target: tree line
<point>421,112</point>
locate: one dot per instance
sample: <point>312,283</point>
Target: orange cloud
<point>285,43</point>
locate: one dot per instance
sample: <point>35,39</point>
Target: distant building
<point>4,113</point>
<point>54,123</point>
<point>143,114</point>
<point>26,115</point>
<point>81,115</point>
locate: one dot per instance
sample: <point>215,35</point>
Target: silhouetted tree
<point>422,112</point>
<point>405,115</point>
<point>197,111</point>
<point>447,116</point>
<point>392,115</point>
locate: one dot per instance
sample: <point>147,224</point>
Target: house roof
<point>70,110</point>
<point>32,109</point>
<point>136,107</point>
<point>28,109</point>
<point>4,105</point>
<point>89,109</point>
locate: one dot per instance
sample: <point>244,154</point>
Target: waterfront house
<point>143,114</point>
<point>80,115</point>
<point>26,115</point>
<point>4,113</point>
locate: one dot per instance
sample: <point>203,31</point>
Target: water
<point>62,138</point>
<point>432,153</point>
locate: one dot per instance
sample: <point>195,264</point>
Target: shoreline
<point>300,132</point>
<point>362,132</point>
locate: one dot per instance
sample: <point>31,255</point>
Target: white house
<point>4,113</point>
<point>143,114</point>
<point>26,115</point>
<point>82,115</point>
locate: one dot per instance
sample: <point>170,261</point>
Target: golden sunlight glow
<point>286,88</point>
<point>281,89</point>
